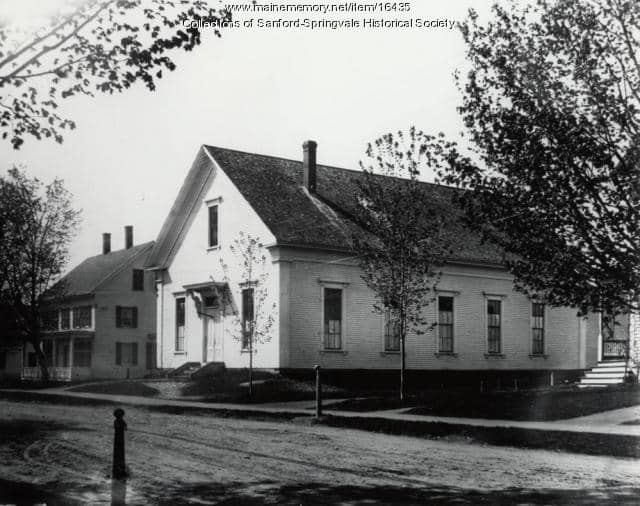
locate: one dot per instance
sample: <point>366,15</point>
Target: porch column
<point>54,352</point>
<point>599,337</point>
<point>71,352</point>
<point>582,342</point>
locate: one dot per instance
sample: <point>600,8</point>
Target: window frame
<point>76,311</point>
<point>452,325</point>
<point>137,280</point>
<point>543,328</point>
<point>134,353</point>
<point>78,352</point>
<point>65,318</point>
<point>131,320</point>
<point>341,288</point>
<point>210,207</point>
<point>386,335</point>
<point>178,337</point>
<point>48,322</point>
<point>498,299</point>
<point>244,342</point>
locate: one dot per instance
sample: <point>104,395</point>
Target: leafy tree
<point>37,223</point>
<point>255,319</point>
<point>103,45</point>
<point>405,240</point>
<point>551,103</point>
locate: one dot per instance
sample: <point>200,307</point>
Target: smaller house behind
<point>103,324</point>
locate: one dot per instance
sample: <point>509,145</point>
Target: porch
<point>55,373</point>
<point>67,354</point>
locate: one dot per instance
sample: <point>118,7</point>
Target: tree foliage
<point>257,328</point>
<point>96,45</point>
<point>37,223</point>
<point>551,103</point>
<point>406,241</point>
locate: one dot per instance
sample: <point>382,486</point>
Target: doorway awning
<point>211,294</point>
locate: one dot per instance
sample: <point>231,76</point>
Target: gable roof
<point>87,277</point>
<point>273,187</point>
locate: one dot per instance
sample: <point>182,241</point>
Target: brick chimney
<point>309,165</point>
<point>106,243</point>
<point>128,236</point>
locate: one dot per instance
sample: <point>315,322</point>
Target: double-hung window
<point>494,326</point>
<point>247,317</point>
<point>213,226</point>
<point>537,328</point>
<point>137,280</point>
<point>332,325</point>
<point>180,319</point>
<point>445,324</point>
<point>82,353</point>
<point>65,318</point>
<point>82,317</point>
<point>127,354</point>
<point>391,333</point>
<point>126,317</point>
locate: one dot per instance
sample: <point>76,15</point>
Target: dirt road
<point>61,455</point>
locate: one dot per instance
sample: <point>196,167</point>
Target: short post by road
<point>119,470</point>
<point>318,392</point>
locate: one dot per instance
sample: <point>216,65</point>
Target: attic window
<point>213,226</point>
<point>138,279</point>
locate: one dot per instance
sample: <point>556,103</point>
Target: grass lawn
<point>231,386</point>
<point>124,387</point>
<point>552,404</point>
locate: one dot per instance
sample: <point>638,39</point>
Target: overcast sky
<point>257,90</point>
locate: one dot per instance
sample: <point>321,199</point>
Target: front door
<point>213,335</point>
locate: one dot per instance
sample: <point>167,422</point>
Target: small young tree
<point>405,241</point>
<point>256,319</point>
<point>37,223</point>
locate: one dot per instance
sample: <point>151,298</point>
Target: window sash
<point>445,324</point>
<point>391,333</point>
<point>213,226</point>
<point>126,317</point>
<point>138,280</point>
<point>50,320</point>
<point>494,323</point>
<point>82,317</point>
<point>127,354</point>
<point>82,353</point>
<point>537,329</point>
<point>247,317</point>
<point>65,318</point>
<point>332,318</point>
<point>180,320</point>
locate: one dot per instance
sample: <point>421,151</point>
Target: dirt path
<point>64,453</point>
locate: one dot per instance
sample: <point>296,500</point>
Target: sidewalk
<point>601,423</point>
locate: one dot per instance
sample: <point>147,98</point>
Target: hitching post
<point>119,470</point>
<point>318,392</point>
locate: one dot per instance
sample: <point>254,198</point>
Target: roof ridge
<point>125,261</point>
<point>321,165</point>
<point>99,255</point>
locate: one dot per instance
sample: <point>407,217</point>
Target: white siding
<point>194,263</point>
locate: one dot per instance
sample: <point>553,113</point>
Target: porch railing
<point>615,349</point>
<point>55,373</point>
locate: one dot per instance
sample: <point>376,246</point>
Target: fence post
<point>318,392</point>
<point>119,470</point>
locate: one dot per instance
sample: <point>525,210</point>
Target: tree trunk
<point>251,366</point>
<point>403,386</point>
<point>42,361</point>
